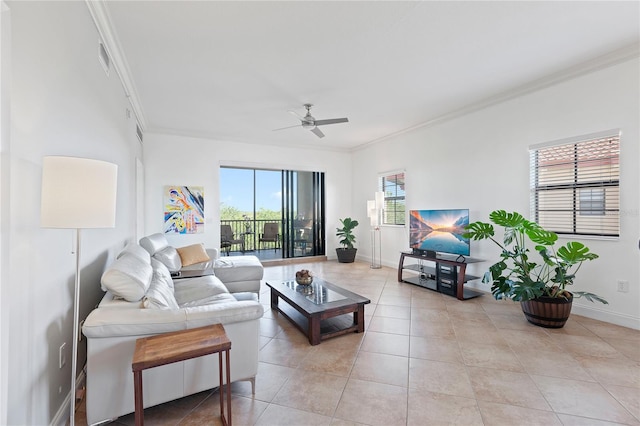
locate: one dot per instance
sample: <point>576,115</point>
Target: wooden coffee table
<point>320,310</point>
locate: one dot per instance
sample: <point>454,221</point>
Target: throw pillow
<point>195,253</point>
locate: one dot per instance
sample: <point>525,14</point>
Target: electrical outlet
<point>623,286</point>
<point>62,355</point>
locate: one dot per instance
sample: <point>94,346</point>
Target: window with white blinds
<point>392,184</point>
<point>575,185</point>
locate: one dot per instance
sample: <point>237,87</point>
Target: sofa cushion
<point>238,268</point>
<point>112,302</point>
<point>245,295</point>
<point>221,298</point>
<point>154,243</point>
<point>169,256</point>
<point>128,277</point>
<point>190,255</point>
<point>199,290</point>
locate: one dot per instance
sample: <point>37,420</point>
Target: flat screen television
<point>439,231</point>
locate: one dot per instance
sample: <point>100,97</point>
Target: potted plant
<point>539,286</point>
<point>346,253</point>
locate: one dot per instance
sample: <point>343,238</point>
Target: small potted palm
<point>346,253</point>
<point>540,287</point>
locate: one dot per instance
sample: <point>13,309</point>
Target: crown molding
<point>207,136</point>
<point>112,44</point>
<point>610,59</point>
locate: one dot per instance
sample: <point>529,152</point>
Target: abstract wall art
<point>183,209</point>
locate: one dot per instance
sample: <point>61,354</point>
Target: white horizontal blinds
<point>575,187</point>
<point>392,184</point>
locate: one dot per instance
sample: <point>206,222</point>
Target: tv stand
<point>443,273</point>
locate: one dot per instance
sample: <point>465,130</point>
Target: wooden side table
<point>154,351</point>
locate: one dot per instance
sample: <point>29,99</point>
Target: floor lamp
<point>77,193</point>
<point>374,212</point>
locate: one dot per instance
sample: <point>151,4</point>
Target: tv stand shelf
<point>442,273</point>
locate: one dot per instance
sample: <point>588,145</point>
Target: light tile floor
<point>427,359</point>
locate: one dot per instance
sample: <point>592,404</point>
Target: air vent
<point>103,57</point>
<point>138,132</point>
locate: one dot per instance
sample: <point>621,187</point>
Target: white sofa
<point>141,300</point>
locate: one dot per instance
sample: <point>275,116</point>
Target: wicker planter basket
<point>549,312</point>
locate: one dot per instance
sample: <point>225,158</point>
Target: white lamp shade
<point>371,207</point>
<point>78,193</point>
<point>379,200</point>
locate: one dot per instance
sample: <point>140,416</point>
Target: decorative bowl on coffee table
<point>304,280</point>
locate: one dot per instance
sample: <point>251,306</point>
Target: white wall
<point>480,161</point>
<point>180,160</point>
<point>62,103</point>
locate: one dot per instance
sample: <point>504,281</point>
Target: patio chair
<point>270,235</point>
<point>227,239</point>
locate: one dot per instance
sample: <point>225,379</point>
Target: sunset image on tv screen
<point>439,230</point>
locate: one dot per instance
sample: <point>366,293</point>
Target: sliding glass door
<point>254,202</point>
<point>303,212</point>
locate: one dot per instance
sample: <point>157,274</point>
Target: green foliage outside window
<point>233,213</point>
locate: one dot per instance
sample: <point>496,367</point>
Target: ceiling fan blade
<point>288,127</point>
<point>317,132</point>
<point>331,121</point>
<point>298,116</point>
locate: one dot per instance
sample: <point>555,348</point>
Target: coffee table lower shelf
<point>317,328</point>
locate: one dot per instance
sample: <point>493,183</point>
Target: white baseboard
<point>610,317</point>
<point>62,415</point>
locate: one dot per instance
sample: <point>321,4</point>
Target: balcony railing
<point>251,238</point>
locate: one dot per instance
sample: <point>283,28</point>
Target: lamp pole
<point>76,321</point>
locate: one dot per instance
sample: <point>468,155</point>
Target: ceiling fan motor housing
<point>308,121</point>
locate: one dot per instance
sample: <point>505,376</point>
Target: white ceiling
<point>232,70</point>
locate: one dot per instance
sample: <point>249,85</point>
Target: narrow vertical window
<point>392,184</point>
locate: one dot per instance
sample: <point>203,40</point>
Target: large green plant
<point>516,276</point>
<point>347,239</point>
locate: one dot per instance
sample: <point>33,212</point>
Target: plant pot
<point>346,255</point>
<point>548,312</point>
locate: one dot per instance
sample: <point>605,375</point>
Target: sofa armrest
<point>116,322</point>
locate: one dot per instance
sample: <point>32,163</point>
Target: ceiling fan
<point>309,122</point>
